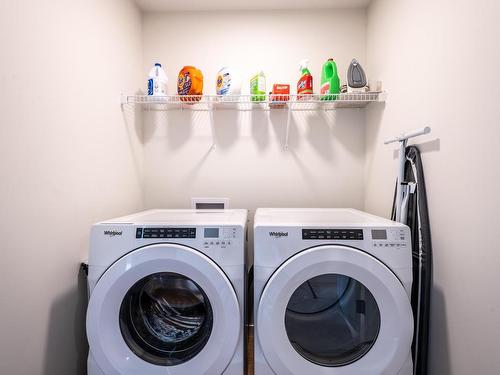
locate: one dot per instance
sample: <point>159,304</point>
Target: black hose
<point>418,221</point>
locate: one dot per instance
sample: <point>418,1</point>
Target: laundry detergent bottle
<point>228,82</point>
<point>157,81</point>
<point>330,81</point>
<point>190,83</point>
<point>305,84</point>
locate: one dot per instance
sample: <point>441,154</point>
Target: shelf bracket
<point>211,110</point>
<point>288,120</point>
<point>123,99</point>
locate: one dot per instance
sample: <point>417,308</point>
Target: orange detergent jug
<point>190,82</point>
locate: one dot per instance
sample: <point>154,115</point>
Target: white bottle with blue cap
<point>157,81</point>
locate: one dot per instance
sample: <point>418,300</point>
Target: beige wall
<point>69,156</point>
<point>324,165</point>
<point>67,159</point>
<point>438,60</point>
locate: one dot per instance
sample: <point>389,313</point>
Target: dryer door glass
<point>332,320</point>
<point>166,319</point>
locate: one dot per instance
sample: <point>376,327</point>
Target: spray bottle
<point>305,84</point>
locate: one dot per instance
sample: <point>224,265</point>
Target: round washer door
<point>334,310</point>
<point>161,309</point>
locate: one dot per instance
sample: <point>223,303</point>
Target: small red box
<point>280,93</point>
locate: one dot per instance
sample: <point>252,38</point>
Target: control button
<point>138,233</point>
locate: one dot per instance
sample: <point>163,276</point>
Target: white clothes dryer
<point>332,293</point>
<point>167,291</point>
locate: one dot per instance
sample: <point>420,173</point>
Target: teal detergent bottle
<point>330,81</point>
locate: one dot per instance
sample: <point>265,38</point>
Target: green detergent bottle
<point>330,81</point>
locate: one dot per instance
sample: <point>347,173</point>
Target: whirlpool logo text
<point>113,233</point>
<point>278,234</point>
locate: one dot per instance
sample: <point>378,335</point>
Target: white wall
<point>324,165</point>
<point>438,60</point>
<point>67,159</point>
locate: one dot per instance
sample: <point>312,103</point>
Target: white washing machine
<point>167,291</point>
<point>332,293</point>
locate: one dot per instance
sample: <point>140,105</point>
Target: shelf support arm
<point>211,110</point>
<point>288,120</point>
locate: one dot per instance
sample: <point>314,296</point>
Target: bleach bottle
<point>157,81</point>
<point>330,81</point>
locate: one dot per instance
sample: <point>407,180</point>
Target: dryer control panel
<point>332,234</point>
<point>165,232</point>
<point>395,238</point>
<point>217,237</point>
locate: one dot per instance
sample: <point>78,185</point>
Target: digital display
<point>379,234</point>
<point>211,233</point>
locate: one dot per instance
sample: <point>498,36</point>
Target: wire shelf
<point>271,102</point>
<point>255,102</point>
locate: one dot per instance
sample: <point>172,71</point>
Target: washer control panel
<point>216,237</point>
<point>389,238</point>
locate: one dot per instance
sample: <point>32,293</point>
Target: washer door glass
<point>332,320</point>
<point>166,319</point>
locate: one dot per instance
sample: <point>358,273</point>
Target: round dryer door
<point>334,310</point>
<point>163,309</point>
